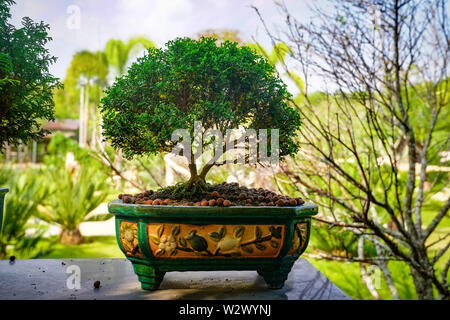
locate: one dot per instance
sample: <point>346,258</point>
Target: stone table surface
<point>54,279</point>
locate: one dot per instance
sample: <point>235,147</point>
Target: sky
<point>88,24</point>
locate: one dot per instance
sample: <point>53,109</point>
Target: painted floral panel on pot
<point>129,238</point>
<point>228,241</point>
<point>300,239</point>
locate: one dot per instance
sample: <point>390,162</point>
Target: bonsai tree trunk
<point>196,181</point>
<point>72,237</point>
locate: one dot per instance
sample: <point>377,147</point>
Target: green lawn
<point>93,247</point>
<point>347,277</point>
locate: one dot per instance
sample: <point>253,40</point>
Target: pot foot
<point>276,276</point>
<point>148,276</point>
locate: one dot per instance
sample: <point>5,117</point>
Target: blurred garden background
<point>375,151</point>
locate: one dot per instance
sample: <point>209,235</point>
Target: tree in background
<point>89,71</point>
<point>118,53</point>
<point>371,149</point>
<point>87,76</point>
<point>277,55</point>
<point>26,86</point>
<point>222,35</point>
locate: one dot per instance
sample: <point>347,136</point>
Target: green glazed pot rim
<point>117,207</point>
<point>3,190</point>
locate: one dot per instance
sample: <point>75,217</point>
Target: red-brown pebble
<point>271,204</point>
<point>156,202</point>
<point>214,194</point>
<point>204,203</point>
<point>280,202</point>
<point>166,201</point>
<point>293,202</point>
<point>262,204</point>
<point>242,196</point>
<point>212,203</point>
<point>226,203</point>
<point>260,198</point>
<point>197,204</point>
<point>220,201</point>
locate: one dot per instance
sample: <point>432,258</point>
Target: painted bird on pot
<point>197,242</point>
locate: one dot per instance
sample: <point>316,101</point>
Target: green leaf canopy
<point>222,85</point>
<point>26,86</point>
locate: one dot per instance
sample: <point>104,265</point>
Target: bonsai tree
<point>26,86</point>
<point>222,85</point>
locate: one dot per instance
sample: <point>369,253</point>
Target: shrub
<point>222,85</point>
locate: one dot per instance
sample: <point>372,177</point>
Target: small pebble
<point>97,284</point>
<point>214,194</point>
<point>236,196</point>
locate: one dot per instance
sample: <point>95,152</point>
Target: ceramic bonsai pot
<point>159,239</point>
<point>3,192</point>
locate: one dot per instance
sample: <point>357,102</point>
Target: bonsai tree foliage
<point>26,86</point>
<point>222,85</point>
